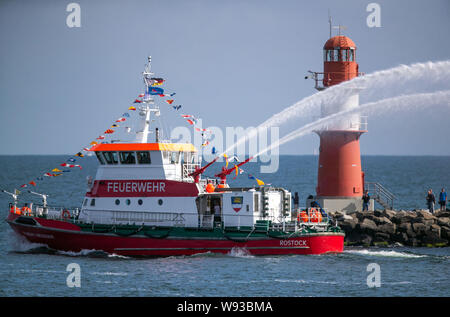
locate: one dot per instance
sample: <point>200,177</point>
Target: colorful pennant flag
<point>132,108</point>
<point>137,101</point>
<point>109,131</point>
<point>56,170</point>
<point>32,183</point>
<point>169,101</point>
<point>155,91</point>
<point>177,107</point>
<point>226,160</point>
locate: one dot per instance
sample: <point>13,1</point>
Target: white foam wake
<point>385,253</point>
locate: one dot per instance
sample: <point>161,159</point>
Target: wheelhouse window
<point>143,157</point>
<point>165,155</point>
<point>174,157</point>
<point>100,158</point>
<point>111,157</point>
<point>127,158</point>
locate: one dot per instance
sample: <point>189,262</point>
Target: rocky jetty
<point>389,227</point>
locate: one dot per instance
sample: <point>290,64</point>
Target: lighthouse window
<point>140,202</point>
<point>352,55</point>
<point>345,55</point>
<point>93,202</point>
<point>143,157</point>
<point>160,202</point>
<point>330,55</point>
<point>336,55</point>
<point>100,158</point>
<point>128,202</point>
<point>127,158</point>
<point>117,202</point>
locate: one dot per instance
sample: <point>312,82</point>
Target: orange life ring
<point>65,214</point>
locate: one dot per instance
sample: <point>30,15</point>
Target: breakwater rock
<point>388,227</point>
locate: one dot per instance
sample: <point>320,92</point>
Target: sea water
<point>34,270</point>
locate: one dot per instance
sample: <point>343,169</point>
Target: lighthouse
<point>340,180</point>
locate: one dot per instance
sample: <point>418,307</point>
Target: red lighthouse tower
<point>340,182</point>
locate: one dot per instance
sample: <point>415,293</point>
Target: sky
<point>233,63</point>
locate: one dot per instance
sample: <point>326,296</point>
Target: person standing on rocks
<point>366,200</point>
<point>431,200</point>
<point>443,199</point>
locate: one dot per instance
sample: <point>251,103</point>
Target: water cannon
<point>225,172</point>
<point>199,170</point>
<point>44,197</point>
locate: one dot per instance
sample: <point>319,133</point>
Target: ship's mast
<point>147,107</point>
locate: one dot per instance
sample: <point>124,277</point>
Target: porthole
<point>160,202</point>
<point>128,202</point>
<point>140,201</point>
<point>117,202</point>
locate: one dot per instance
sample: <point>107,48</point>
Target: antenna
<point>330,21</point>
<point>340,27</point>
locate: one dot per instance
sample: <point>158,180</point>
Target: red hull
<point>64,236</point>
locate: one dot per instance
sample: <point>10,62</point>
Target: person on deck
<point>25,210</point>
<point>431,200</point>
<point>443,199</point>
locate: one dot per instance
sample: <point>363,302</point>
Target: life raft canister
<point>315,215</point>
<point>209,188</point>
<point>65,214</point>
<point>302,216</point>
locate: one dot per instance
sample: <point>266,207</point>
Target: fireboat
<point>149,199</point>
